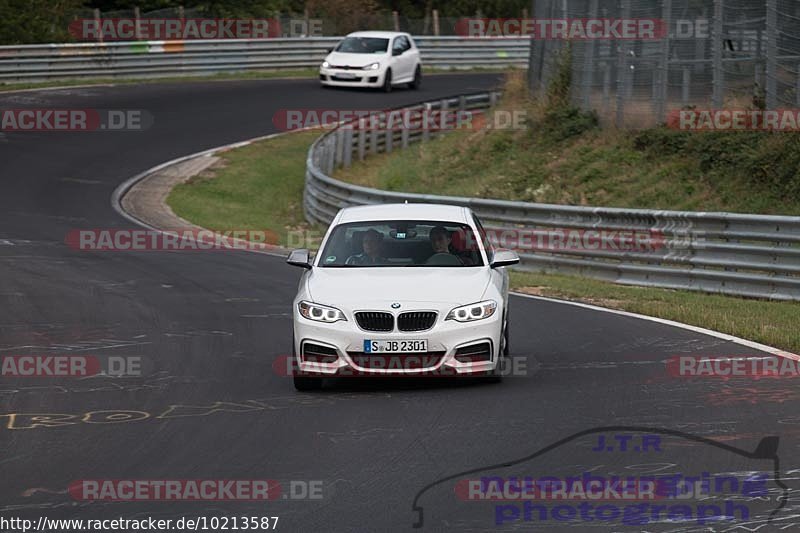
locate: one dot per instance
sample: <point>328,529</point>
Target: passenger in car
<point>440,242</point>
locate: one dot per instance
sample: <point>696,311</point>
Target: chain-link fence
<point>738,54</point>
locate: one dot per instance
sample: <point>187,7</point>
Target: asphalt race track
<point>209,326</point>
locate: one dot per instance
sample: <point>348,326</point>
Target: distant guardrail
<point>726,253</point>
<point>148,59</point>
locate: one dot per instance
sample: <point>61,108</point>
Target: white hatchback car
<point>373,59</point>
<point>402,289</point>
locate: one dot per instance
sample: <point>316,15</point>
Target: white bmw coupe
<point>403,289</point>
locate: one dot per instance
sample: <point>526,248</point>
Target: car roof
<point>383,34</point>
<point>433,212</point>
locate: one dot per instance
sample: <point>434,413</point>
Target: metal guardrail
<point>146,59</point>
<point>727,253</point>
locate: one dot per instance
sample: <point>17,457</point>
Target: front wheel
<point>417,81</point>
<point>387,82</point>
<point>506,344</point>
<point>304,384</point>
<point>496,375</point>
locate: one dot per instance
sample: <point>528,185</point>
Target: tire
<point>496,375</point>
<point>417,81</point>
<point>387,81</point>
<point>506,342</point>
<point>305,384</point>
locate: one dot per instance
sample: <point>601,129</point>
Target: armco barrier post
<point>347,147</point>
<point>361,139</point>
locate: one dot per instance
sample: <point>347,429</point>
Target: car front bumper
<point>351,78</point>
<point>447,339</point>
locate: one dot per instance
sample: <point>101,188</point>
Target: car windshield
<point>402,243</point>
<point>363,45</point>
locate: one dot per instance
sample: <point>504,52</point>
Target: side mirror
<point>397,52</point>
<point>504,258</point>
<point>299,258</point>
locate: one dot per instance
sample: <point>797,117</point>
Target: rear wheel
<point>417,81</point>
<point>387,81</point>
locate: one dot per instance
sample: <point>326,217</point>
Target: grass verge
<point>260,186</point>
<point>563,156</point>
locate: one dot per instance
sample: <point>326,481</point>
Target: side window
<point>487,244</point>
<point>406,44</point>
<point>398,44</point>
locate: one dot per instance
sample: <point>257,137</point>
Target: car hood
<point>353,60</point>
<point>381,286</point>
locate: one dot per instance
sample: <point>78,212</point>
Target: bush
<point>562,123</point>
<point>767,160</point>
<point>559,87</point>
<point>662,141</point>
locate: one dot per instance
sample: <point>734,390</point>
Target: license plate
<point>346,75</point>
<point>408,346</point>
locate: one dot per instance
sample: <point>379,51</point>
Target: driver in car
<point>440,240</point>
<point>372,250</point>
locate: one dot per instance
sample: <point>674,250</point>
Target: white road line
<point>696,329</point>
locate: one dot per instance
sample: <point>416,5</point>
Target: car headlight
<point>372,66</point>
<point>325,64</point>
<point>320,313</point>
<point>476,311</point>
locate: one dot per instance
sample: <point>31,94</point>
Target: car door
<point>413,54</point>
<point>401,58</point>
